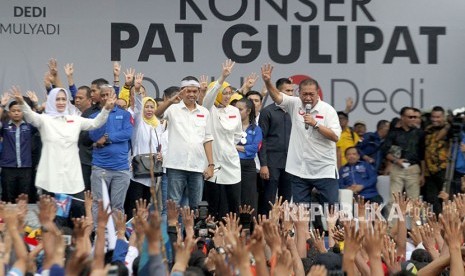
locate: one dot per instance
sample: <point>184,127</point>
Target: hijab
<point>219,96</point>
<point>153,122</point>
<point>50,106</point>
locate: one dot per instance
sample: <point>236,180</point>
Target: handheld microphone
<point>308,107</point>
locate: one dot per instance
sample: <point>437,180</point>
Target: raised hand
<point>129,76</point>
<point>246,209</point>
<point>172,213</point>
<point>284,264</point>
<point>390,257</point>
<point>203,82</point>
<point>183,253</point>
<point>250,81</point>
<point>267,69</point>
<point>5,99</point>
<point>10,214</point>
<point>111,100</point>
<point>272,237</point>
<point>153,232</point>
<point>120,224</point>
<point>276,209</point>
<point>318,240</point>
<point>349,104</point>
<point>138,82</point>
<point>188,220</point>
<point>69,69</point>
<point>53,67</point>
<point>402,201</point>
<point>374,235</point>
<point>15,92</point>
<point>227,68</point>
<point>33,96</point>
<point>48,80</point>
<point>177,97</point>
<point>103,214</point>
<point>116,70</point>
<point>47,209</point>
<point>21,204</point>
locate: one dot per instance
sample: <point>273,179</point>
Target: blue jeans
<point>302,189</point>
<point>182,183</point>
<point>164,194</point>
<point>117,183</point>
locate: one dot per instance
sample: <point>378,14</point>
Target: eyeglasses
<point>289,90</point>
<point>412,117</point>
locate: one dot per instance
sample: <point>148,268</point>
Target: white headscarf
<point>50,106</point>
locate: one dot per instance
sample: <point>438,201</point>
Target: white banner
<point>384,54</point>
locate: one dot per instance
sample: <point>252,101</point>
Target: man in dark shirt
<point>83,102</point>
<point>436,157</point>
<point>276,125</point>
<point>405,148</point>
<point>16,157</point>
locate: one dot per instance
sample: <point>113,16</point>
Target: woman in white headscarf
<point>59,169</point>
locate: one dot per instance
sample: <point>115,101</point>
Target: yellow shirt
<point>346,141</point>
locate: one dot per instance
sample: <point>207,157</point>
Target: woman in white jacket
<point>146,138</point>
<point>222,191</point>
<point>59,169</point>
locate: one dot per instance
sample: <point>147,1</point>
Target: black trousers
<point>16,181</point>
<point>432,188</point>
<point>222,199</point>
<point>135,191</point>
<point>86,173</point>
<point>249,194</point>
<point>279,182</point>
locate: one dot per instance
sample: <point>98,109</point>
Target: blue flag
<point>63,202</point>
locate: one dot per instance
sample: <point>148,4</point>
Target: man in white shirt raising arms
<point>311,158</point>
<point>190,143</point>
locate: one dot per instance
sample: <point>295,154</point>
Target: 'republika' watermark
<point>346,212</point>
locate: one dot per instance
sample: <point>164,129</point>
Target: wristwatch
<point>316,126</point>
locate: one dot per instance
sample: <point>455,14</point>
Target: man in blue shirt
<point>16,157</point>
<point>370,146</point>
<point>359,176</point>
<point>110,154</point>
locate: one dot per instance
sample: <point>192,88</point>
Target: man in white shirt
<point>311,158</point>
<point>190,143</point>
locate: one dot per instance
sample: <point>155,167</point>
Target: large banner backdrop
<point>384,54</point>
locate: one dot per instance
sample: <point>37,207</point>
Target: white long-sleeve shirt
<point>189,131</point>
<point>142,132</point>
<point>59,169</point>
<point>226,128</point>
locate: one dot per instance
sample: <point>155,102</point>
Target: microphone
<point>308,107</point>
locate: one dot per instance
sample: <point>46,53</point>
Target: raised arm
<point>4,101</point>
<point>138,94</point>
<point>211,94</point>
<point>248,83</point>
<point>173,100</point>
<point>116,74</point>
<point>53,70</point>
<point>277,97</point>
<point>101,119</point>
<point>30,116</point>
<point>69,71</point>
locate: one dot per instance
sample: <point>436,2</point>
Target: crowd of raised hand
<point>270,245</point>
